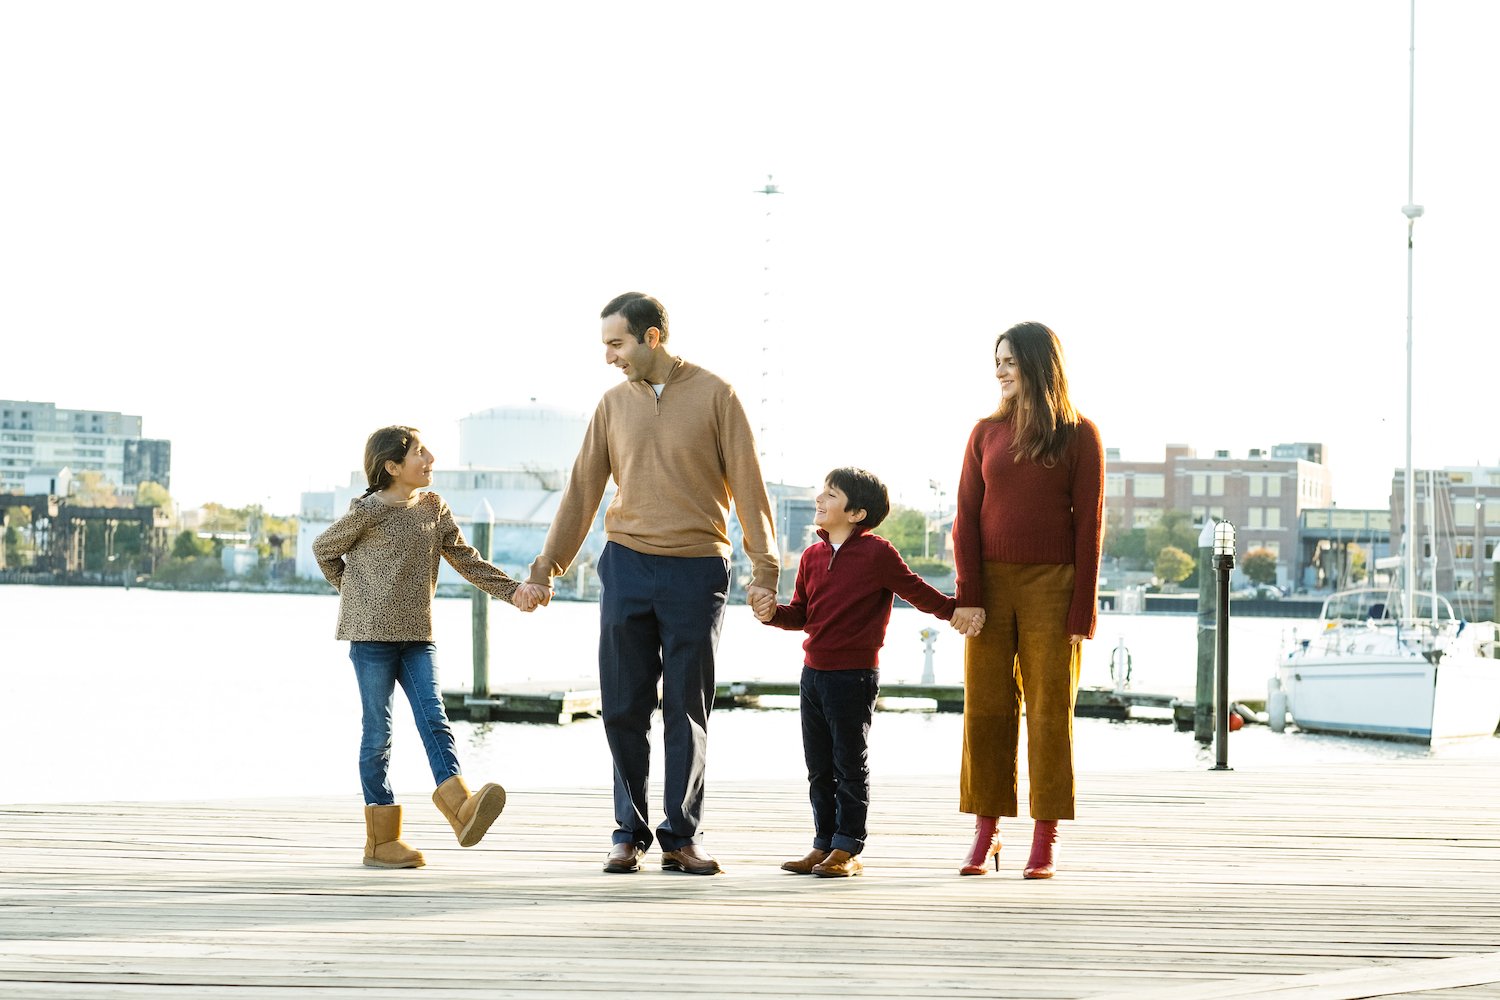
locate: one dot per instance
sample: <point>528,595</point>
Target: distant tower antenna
<point>770,188</point>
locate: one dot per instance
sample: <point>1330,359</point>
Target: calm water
<point>111,694</point>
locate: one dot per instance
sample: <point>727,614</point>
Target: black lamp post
<point>1223,563</point>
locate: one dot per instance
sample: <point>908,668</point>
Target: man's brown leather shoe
<point>691,859</point>
<point>838,864</point>
<point>623,859</point>
<point>804,866</point>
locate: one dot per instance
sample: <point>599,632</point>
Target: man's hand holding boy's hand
<point>762,601</point>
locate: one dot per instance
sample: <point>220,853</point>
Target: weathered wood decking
<point>1330,883</point>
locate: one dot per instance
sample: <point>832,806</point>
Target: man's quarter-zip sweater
<point>678,460</point>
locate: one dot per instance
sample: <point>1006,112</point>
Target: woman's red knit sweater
<point>1026,512</point>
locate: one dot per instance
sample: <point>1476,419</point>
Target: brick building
<point>1262,494</point>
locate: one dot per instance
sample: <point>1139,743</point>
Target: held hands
<point>762,601</point>
<point>530,596</point>
<point>968,621</point>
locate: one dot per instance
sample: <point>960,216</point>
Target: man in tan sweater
<point>679,447</point>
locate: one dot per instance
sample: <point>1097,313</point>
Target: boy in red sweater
<point>843,602</point>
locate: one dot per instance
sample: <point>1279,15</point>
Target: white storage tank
<point>530,436</point>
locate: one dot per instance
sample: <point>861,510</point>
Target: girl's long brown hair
<point>389,444</point>
<point>1042,413</point>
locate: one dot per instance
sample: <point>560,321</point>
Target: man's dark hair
<point>641,311</point>
<point>865,492</point>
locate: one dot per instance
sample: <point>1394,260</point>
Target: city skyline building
<point>1457,527</point>
<point>42,435</point>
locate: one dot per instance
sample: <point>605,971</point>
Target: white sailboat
<point>1375,671</point>
<point>1379,670</point>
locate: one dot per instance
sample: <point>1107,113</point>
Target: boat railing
<point>1361,605</point>
<point>1409,636</point>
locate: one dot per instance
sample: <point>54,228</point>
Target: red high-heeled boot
<point>1043,839</point>
<point>986,846</point>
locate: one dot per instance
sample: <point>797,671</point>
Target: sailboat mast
<point>1412,211</point>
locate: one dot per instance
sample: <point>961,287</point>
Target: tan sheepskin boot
<point>469,815</point>
<point>383,846</point>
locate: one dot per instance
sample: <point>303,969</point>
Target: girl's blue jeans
<point>379,667</point>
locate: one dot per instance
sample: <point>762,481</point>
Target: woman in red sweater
<point>1026,540</point>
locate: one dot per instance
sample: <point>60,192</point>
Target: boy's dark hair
<point>389,444</point>
<point>865,492</point>
<point>641,311</point>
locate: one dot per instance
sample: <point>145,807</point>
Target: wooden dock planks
<point>1329,882</point>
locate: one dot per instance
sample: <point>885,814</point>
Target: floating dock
<point>527,702</point>
<point>563,703</point>
<point>1093,703</point>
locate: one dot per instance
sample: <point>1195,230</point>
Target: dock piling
<point>1203,705</point>
<point>484,522</point>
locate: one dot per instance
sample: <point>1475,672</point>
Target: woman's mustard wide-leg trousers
<point>1022,653</point>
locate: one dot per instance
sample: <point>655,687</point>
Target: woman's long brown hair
<point>1042,413</point>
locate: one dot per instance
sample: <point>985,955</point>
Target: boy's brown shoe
<point>838,864</point>
<point>804,866</point>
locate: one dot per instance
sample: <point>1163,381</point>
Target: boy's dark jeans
<point>837,707</point>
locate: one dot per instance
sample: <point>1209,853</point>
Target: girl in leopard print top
<point>382,557</point>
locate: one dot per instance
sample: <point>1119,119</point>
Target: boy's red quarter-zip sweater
<point>843,600</point>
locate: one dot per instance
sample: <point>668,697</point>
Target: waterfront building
<point>1457,529</point>
<point>147,460</point>
<point>795,509</point>
<point>238,560</point>
<point>1327,538</point>
<point>43,435</point>
<point>47,480</point>
<point>1263,493</point>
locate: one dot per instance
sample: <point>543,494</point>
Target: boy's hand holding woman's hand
<point>968,621</point>
<point>762,601</point>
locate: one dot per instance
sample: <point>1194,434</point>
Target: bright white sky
<point>270,228</point>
